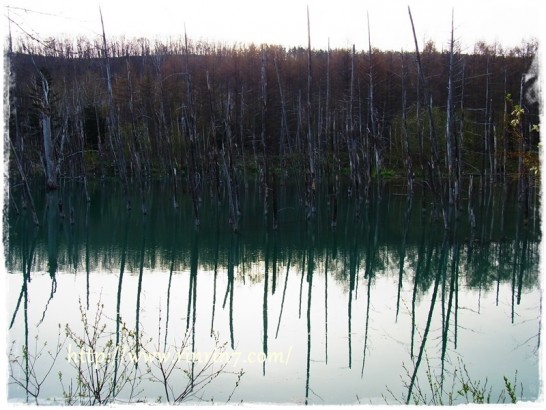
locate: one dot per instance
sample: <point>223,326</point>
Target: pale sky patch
<point>285,22</point>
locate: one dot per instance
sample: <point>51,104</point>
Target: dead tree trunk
<point>405,139</point>
<point>505,131</point>
<point>135,149</point>
<point>373,120</point>
<point>189,122</point>
<point>241,133</point>
<point>25,183</point>
<point>452,177</point>
<point>327,127</point>
<point>487,161</point>
<point>115,138</point>
<point>435,175</point>
<point>351,137</point>
<point>311,178</point>
<point>216,142</point>
<point>264,136</point>
<point>45,123</point>
<point>229,174</point>
<point>459,139</point>
<point>283,137</point>
<point>81,134</point>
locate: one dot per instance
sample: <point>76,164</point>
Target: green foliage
<point>511,388</point>
<point>108,366</point>
<point>521,129</point>
<point>389,173</point>
<point>462,390</point>
<point>24,366</point>
<point>100,375</point>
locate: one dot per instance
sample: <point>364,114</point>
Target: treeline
<point>218,114</point>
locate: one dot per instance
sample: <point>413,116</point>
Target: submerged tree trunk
<point>264,131</point>
<point>405,140</point>
<point>25,183</point>
<point>115,137</point>
<point>189,124</point>
<point>284,136</point>
<point>351,137</point>
<point>452,176</point>
<point>375,134</point>
<point>45,123</point>
<point>435,173</point>
<point>311,182</point>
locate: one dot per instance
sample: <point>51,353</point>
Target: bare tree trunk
<point>274,204</point>
<point>311,183</point>
<point>284,137</point>
<point>524,174</point>
<point>114,126</point>
<point>405,139</point>
<point>81,134</point>
<point>99,139</point>
<point>375,135</point>
<point>25,183</point>
<point>327,126</point>
<point>459,141</point>
<point>241,134</point>
<point>264,136</point>
<point>135,148</point>
<point>487,129</point>
<point>216,144</point>
<point>505,134</point>
<point>471,216</point>
<point>45,123</point>
<point>435,174</point>
<point>452,177</point>
<point>10,40</point>
<point>351,139</point>
<point>229,173</point>
<point>194,180</point>
<point>165,137</point>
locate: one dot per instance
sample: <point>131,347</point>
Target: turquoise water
<point>308,313</point>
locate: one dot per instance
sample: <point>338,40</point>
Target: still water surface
<point>309,314</point>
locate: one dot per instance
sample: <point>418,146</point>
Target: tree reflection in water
<point>421,287</point>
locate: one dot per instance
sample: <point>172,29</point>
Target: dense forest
<point>207,117</point>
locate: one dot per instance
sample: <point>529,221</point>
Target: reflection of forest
<point>387,237</point>
<point>391,237</point>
